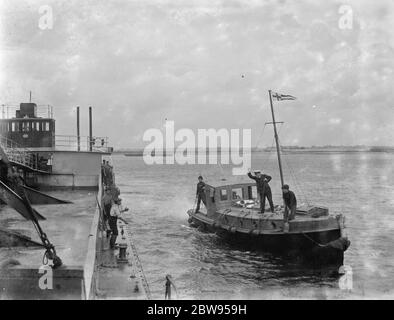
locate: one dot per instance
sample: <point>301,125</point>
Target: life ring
<point>233,229</point>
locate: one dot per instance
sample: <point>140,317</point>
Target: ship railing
<point>83,143</point>
<point>42,111</point>
<point>18,154</point>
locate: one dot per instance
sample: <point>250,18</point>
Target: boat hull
<point>312,248</point>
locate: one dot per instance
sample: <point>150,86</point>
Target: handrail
<point>42,111</point>
<point>18,154</point>
<point>72,143</point>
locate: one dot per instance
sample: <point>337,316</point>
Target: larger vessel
<point>53,242</point>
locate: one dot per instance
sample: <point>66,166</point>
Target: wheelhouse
<point>219,197</point>
<point>27,129</point>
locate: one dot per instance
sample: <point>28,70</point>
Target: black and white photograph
<point>210,152</point>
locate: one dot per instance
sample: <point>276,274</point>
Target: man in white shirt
<point>115,214</point>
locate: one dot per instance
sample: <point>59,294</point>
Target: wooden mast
<point>276,139</point>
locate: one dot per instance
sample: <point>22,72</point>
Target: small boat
<point>232,210</point>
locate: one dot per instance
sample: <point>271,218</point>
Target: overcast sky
<point>206,64</point>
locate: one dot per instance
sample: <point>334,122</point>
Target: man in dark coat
<point>107,203</point>
<point>263,189</point>
<point>290,203</point>
<point>200,193</point>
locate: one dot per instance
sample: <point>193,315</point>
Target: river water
<point>203,266</point>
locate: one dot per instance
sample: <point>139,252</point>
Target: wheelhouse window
<point>46,126</point>
<point>252,192</point>
<point>26,126</point>
<point>223,194</point>
<point>14,126</point>
<point>237,194</point>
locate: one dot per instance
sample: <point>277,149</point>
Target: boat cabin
<point>222,196</point>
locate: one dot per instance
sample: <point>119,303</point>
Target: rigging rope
<point>314,241</point>
<point>261,136</point>
<point>292,174</point>
<point>295,180</point>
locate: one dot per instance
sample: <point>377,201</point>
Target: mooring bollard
<point>122,257</point>
<point>122,253</point>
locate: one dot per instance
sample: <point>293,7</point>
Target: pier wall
<point>94,249</point>
<point>23,282</point>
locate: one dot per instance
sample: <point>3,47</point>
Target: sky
<point>206,64</point>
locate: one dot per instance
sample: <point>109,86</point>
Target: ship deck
<point>67,227</point>
<point>87,260</point>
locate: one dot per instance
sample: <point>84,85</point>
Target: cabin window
<point>252,192</point>
<point>14,126</point>
<point>25,126</point>
<point>223,194</point>
<point>237,194</point>
<point>37,126</point>
<point>46,126</point>
<point>212,194</point>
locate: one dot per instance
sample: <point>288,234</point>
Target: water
<point>359,185</point>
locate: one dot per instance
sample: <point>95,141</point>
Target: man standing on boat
<point>290,203</point>
<point>200,194</point>
<point>263,189</point>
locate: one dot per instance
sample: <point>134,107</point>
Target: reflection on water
<point>205,266</point>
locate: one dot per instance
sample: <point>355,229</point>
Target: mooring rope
<point>314,241</point>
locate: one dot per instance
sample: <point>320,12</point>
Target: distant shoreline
<point>292,150</point>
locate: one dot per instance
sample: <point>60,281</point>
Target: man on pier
<point>290,203</point>
<point>115,214</point>
<point>263,189</point>
<point>107,203</point>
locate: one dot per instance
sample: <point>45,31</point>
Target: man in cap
<point>200,193</point>
<point>263,189</point>
<point>115,214</point>
<point>290,203</point>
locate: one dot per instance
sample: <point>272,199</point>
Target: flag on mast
<point>281,97</point>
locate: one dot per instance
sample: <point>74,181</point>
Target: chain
<point>138,263</point>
